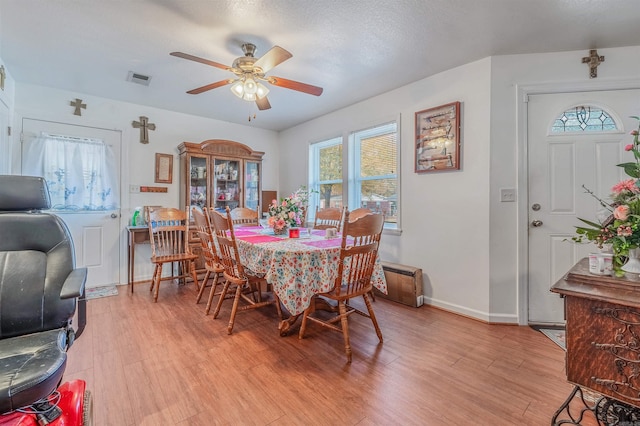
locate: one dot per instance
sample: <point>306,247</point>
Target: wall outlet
<point>134,189</point>
<point>507,195</point>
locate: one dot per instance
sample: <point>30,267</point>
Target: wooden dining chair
<point>245,216</point>
<point>358,252</point>
<point>212,264</point>
<point>330,217</point>
<point>168,230</point>
<point>238,278</point>
<point>359,212</point>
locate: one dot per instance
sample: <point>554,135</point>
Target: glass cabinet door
<point>252,185</point>
<point>226,184</point>
<point>198,181</point>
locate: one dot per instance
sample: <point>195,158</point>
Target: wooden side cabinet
<point>219,173</point>
<point>603,339</point>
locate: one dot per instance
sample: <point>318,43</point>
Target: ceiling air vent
<point>134,77</point>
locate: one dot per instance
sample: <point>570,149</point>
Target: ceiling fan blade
<point>263,103</point>
<point>201,60</point>
<point>210,86</point>
<point>276,55</point>
<point>295,85</point>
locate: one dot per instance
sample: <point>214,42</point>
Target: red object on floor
<point>71,404</point>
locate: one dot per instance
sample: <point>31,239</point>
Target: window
<point>372,166</point>
<point>326,176</point>
<point>584,119</point>
<point>78,172</point>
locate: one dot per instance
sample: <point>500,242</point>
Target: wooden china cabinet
<point>219,173</point>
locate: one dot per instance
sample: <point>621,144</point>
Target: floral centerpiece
<point>289,212</point>
<point>621,228</point>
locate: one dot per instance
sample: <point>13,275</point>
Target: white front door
<point>560,164</point>
<point>96,234</point>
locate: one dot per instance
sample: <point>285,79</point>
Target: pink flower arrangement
<point>621,230</point>
<point>289,212</point>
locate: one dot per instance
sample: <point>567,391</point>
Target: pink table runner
<point>256,238</point>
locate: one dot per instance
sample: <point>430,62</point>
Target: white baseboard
<point>493,318</point>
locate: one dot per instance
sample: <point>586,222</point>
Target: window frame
<point>351,179</point>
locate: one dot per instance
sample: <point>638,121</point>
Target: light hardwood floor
<point>167,363</point>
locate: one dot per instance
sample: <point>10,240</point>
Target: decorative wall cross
<point>3,75</point>
<point>593,60</point>
<point>77,104</point>
<point>144,127</point>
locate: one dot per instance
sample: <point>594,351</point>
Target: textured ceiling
<point>353,49</point>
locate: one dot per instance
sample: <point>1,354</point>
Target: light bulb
<point>250,86</point>
<point>237,88</point>
<point>262,91</point>
<point>249,96</point>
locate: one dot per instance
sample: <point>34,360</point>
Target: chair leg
<point>234,309</point>
<point>225,289</point>
<point>156,285</point>
<point>153,277</point>
<point>204,284</point>
<point>372,316</point>
<point>278,307</point>
<point>305,314</point>
<point>345,329</point>
<point>194,274</point>
<point>212,293</point>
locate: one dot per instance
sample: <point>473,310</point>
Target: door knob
<point>114,215</point>
<point>536,223</point>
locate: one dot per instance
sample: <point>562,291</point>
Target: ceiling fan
<point>250,71</point>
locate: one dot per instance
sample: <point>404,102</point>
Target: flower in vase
<point>289,212</point>
<point>621,227</point>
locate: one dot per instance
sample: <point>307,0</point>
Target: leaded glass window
<point>584,118</point>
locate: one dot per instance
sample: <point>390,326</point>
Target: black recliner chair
<point>39,290</point>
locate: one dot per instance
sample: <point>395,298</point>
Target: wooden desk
<point>603,341</point>
<point>137,235</point>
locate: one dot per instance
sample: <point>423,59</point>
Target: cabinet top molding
<point>222,147</point>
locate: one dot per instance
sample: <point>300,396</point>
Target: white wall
<point>445,215</point>
<point>138,160</point>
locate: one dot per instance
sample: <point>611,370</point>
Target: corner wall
<point>545,72</point>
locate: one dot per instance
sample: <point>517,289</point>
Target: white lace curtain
<point>80,172</point>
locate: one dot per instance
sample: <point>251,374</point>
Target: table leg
<point>286,325</point>
<point>132,253</point>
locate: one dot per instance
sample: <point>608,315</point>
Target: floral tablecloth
<point>297,268</point>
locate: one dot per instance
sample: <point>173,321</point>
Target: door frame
<point>125,135</point>
<point>522,171</point>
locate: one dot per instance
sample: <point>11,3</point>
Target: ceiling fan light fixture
<point>237,88</point>
<point>250,85</point>
<point>249,97</point>
<point>262,91</point>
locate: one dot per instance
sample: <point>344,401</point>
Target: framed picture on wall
<point>164,168</point>
<point>437,141</point>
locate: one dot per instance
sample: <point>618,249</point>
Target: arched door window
<point>584,118</point>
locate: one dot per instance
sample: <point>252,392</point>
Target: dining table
<point>296,268</point>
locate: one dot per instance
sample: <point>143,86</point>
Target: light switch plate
<point>507,195</point>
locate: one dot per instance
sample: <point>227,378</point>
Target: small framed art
<point>437,141</point>
<point>164,168</point>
